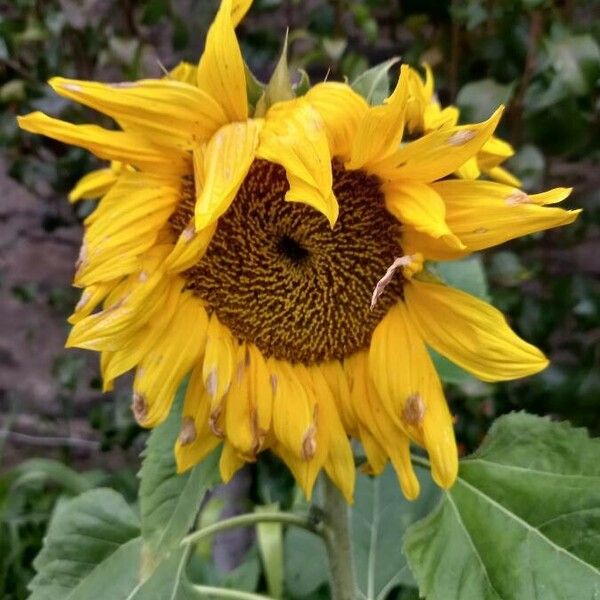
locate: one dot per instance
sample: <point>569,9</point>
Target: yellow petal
<point>219,364</point>
<point>93,185</point>
<point>161,371</point>
<point>379,433</point>
<point>231,462</point>
<point>189,248</point>
<point>221,70</point>
<point>185,72</point>
<point>502,175</point>
<point>418,205</point>
<point>140,342</point>
<point>338,382</point>
<point>261,394</point>
<point>471,333</point>
<point>414,242</point>
<point>294,411</point>
<point>342,110</point>
<point>141,107</point>
<point>436,117</point>
<point>339,464</point>
<point>410,390</point>
<point>128,309</point>
<point>494,152</point>
<point>439,153</point>
<point>469,170</point>
<point>381,128</point>
<point>239,8</point>
<point>126,224</point>
<point>225,163</point>
<point>240,413</point>
<point>485,213</point>
<point>294,137</point>
<point>90,298</point>
<point>196,439</point>
<point>109,145</point>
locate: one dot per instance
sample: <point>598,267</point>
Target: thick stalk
<point>338,542</point>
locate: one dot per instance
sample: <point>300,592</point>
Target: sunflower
<point>277,263</point>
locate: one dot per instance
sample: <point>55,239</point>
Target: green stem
<point>217,592</point>
<point>338,543</point>
<point>303,522</point>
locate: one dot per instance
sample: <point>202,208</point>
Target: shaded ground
<point>46,392</point>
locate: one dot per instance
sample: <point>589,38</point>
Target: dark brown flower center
<point>278,276</point>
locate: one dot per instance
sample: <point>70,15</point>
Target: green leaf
<point>84,535</point>
<point>306,566</point>
<point>466,274</point>
<point>47,469</point>
<point>380,515</point>
<point>479,99</point>
<point>169,502</point>
<point>576,61</point>
<point>529,166</point>
<point>374,84</point>
<point>522,521</point>
<point>303,84</point>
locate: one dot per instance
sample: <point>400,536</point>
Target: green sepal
<point>279,88</point>
<point>374,84</point>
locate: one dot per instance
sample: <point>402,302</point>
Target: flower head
<point>277,261</point>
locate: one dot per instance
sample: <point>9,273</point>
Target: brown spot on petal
<point>211,383</point>
<point>213,422</point>
<point>82,258</point>
<point>309,441</point>
<point>187,434</point>
<point>461,137</point>
<point>413,412</point>
<point>518,197</point>
<point>85,298</point>
<point>139,406</point>
<point>258,434</point>
<point>274,383</point>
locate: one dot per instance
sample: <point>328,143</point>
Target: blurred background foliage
<point>539,57</point>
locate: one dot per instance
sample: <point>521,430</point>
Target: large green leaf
<point>169,502</point>
<point>380,516</point>
<point>93,549</point>
<point>522,521</point>
<point>306,567</point>
<point>84,535</point>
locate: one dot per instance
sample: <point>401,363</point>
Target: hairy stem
<point>338,542</point>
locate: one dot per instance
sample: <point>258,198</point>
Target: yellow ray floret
<point>471,333</point>
<point>141,106</point>
<point>294,136</point>
<point>221,70</point>
<point>224,164</point>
